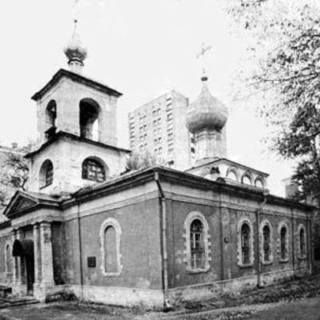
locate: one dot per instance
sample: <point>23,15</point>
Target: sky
<point>142,48</point>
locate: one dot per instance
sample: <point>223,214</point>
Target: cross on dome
<point>202,55</point>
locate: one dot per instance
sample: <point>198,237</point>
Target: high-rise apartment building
<point>159,127</point>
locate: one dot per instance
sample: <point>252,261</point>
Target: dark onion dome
<point>74,50</point>
<point>206,112</point>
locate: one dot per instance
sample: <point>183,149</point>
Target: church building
<point>155,236</point>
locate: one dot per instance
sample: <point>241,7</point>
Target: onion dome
<point>206,112</point>
<point>75,51</point>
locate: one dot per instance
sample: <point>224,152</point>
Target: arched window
<point>89,114</point>
<point>232,175</point>
<point>284,242</point>
<point>258,183</point>
<point>197,242</point>
<point>110,250</point>
<point>46,174</point>
<point>246,179</point>
<point>93,169</point>
<point>302,241</point>
<point>265,234</point>
<point>8,259</point>
<point>197,245</point>
<point>110,233</point>
<point>245,243</point>
<point>266,243</point>
<point>51,113</point>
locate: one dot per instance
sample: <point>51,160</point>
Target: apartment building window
<point>168,100</point>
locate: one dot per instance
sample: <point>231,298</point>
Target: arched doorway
<point>24,250</point>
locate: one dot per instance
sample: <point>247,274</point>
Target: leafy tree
<point>13,176</point>
<point>285,76</point>
<point>301,141</point>
<point>138,161</point>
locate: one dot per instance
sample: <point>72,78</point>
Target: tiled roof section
<point>77,78</point>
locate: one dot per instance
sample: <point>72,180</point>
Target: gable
<point>23,204</point>
<point>19,203</point>
<point>62,73</point>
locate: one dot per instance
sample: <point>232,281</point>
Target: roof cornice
<point>62,134</point>
<point>77,78</point>
<point>174,176</point>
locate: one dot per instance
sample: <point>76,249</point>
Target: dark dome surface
<point>206,112</point>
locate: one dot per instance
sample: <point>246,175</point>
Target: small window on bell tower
<point>46,174</point>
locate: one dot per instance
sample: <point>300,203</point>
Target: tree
<point>286,54</point>
<point>13,176</point>
<point>139,161</point>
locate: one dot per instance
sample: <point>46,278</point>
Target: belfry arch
<point>51,113</point>
<point>89,116</point>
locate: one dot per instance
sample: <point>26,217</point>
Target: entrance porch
<point>32,260</point>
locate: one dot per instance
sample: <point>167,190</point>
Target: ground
<point>305,309</point>
<point>299,299</point>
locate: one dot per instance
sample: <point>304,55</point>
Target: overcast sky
<point>142,48</point>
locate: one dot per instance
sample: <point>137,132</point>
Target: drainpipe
<point>163,239</point>
<point>221,238</point>
<point>258,212</point>
<point>80,250</point>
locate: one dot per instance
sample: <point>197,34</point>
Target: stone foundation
<point>120,296</point>
<point>231,287</point>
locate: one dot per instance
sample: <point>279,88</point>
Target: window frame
<point>287,242</point>
<point>191,217</point>
<point>259,180</point>
<point>232,171</point>
<point>263,224</point>
<point>45,179</point>
<point>6,270</point>
<point>110,222</point>
<point>248,176</point>
<point>302,255</point>
<point>98,163</point>
<point>241,222</point>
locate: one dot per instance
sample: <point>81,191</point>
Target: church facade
<point>154,236</point>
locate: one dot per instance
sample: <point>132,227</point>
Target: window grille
<point>93,170</point>
<point>197,245</point>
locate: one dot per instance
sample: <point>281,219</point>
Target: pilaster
<point>14,260</point>
<point>19,261</point>
<point>36,251</point>
<point>46,263</point>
